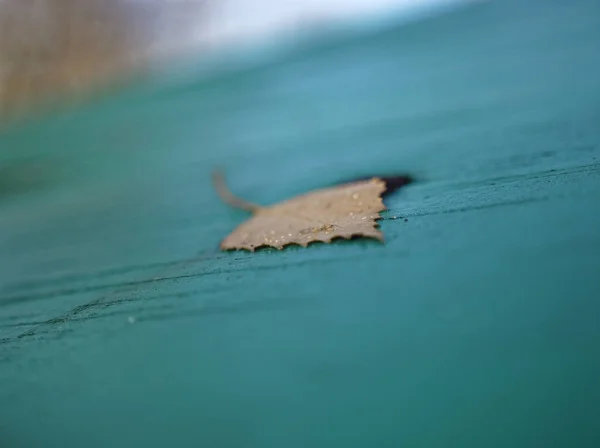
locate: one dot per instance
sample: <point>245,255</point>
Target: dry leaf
<point>338,212</point>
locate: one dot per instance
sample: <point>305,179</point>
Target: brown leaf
<point>322,215</point>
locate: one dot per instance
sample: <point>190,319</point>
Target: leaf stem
<point>228,197</point>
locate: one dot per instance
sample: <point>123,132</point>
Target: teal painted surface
<point>476,324</point>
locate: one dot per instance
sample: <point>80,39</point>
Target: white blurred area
<point>232,22</point>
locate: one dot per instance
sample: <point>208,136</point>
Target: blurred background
<point>65,48</point>
<point>57,54</point>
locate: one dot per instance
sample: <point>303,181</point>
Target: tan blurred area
<point>67,49</point>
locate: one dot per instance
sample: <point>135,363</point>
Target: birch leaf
<point>344,211</point>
